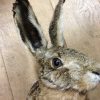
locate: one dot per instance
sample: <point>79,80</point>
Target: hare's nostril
<point>97,73</point>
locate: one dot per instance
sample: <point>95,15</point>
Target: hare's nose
<point>96,72</point>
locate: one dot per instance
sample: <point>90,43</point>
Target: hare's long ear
<point>56,26</point>
<point>28,25</point>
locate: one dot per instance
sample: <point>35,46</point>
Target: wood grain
<point>5,89</point>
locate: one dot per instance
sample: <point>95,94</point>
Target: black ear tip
<point>21,1</point>
<point>63,1</point>
<point>13,9</point>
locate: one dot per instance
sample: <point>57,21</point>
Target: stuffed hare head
<point>61,68</point>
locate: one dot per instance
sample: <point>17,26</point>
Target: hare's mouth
<point>49,83</point>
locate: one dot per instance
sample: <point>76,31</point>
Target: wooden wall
<point>17,66</point>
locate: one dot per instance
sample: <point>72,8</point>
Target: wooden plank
<point>5,89</point>
<point>19,62</point>
<point>82,29</point>
<point>20,70</point>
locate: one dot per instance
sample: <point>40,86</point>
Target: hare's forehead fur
<point>75,73</point>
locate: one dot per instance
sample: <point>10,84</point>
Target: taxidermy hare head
<point>61,68</point>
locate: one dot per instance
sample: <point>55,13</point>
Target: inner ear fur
<point>56,26</point>
<point>28,25</point>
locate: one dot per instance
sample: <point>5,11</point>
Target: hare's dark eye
<point>56,62</point>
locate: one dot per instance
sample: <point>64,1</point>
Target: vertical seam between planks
<point>51,5</point>
<point>7,75</point>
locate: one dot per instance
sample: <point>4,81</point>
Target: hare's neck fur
<point>51,94</point>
